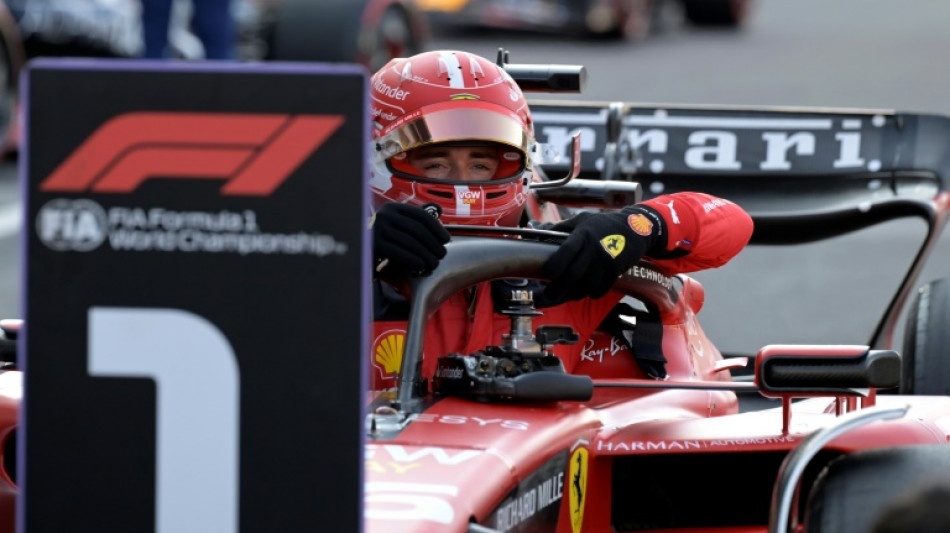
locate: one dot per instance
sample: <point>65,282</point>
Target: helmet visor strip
<point>457,125</point>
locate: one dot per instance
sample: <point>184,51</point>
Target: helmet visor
<point>466,124</point>
<point>484,162</point>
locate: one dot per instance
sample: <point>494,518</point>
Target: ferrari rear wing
<point>803,174</point>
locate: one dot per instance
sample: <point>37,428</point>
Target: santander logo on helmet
<point>391,92</point>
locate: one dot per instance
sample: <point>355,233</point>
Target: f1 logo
<point>252,153</point>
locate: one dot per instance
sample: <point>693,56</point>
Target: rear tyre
<point>853,490</point>
<point>925,367</point>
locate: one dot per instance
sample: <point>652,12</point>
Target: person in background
<point>451,131</point>
<point>211,21</point>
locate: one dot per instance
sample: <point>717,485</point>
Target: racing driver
<point>452,133</point>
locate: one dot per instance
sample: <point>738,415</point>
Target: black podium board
<point>196,297</point>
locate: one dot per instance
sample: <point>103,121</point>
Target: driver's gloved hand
<point>600,248</point>
<point>407,240</point>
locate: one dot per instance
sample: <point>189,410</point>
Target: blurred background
<point>846,53</point>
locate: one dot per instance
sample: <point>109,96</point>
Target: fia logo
<point>77,225</point>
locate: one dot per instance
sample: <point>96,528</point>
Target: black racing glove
<point>600,248</point>
<point>407,240</point>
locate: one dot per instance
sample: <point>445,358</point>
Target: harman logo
<point>252,153</point>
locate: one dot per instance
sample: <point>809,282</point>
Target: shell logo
<point>387,351</point>
<point>640,224</point>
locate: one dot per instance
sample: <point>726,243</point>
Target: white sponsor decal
<point>459,420</point>
<point>78,225</point>
<point>392,92</point>
<point>589,353</point>
<point>713,145</point>
<point>417,502</point>
<point>83,225</point>
<point>714,204</point>
<point>683,445</point>
<point>651,275</point>
<point>450,373</point>
<point>402,455</point>
<point>530,503</point>
<point>718,150</point>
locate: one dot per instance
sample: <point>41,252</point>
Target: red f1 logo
<point>252,153</point>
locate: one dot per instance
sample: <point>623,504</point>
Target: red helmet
<point>458,98</point>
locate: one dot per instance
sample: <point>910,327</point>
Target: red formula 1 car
<point>503,439</point>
